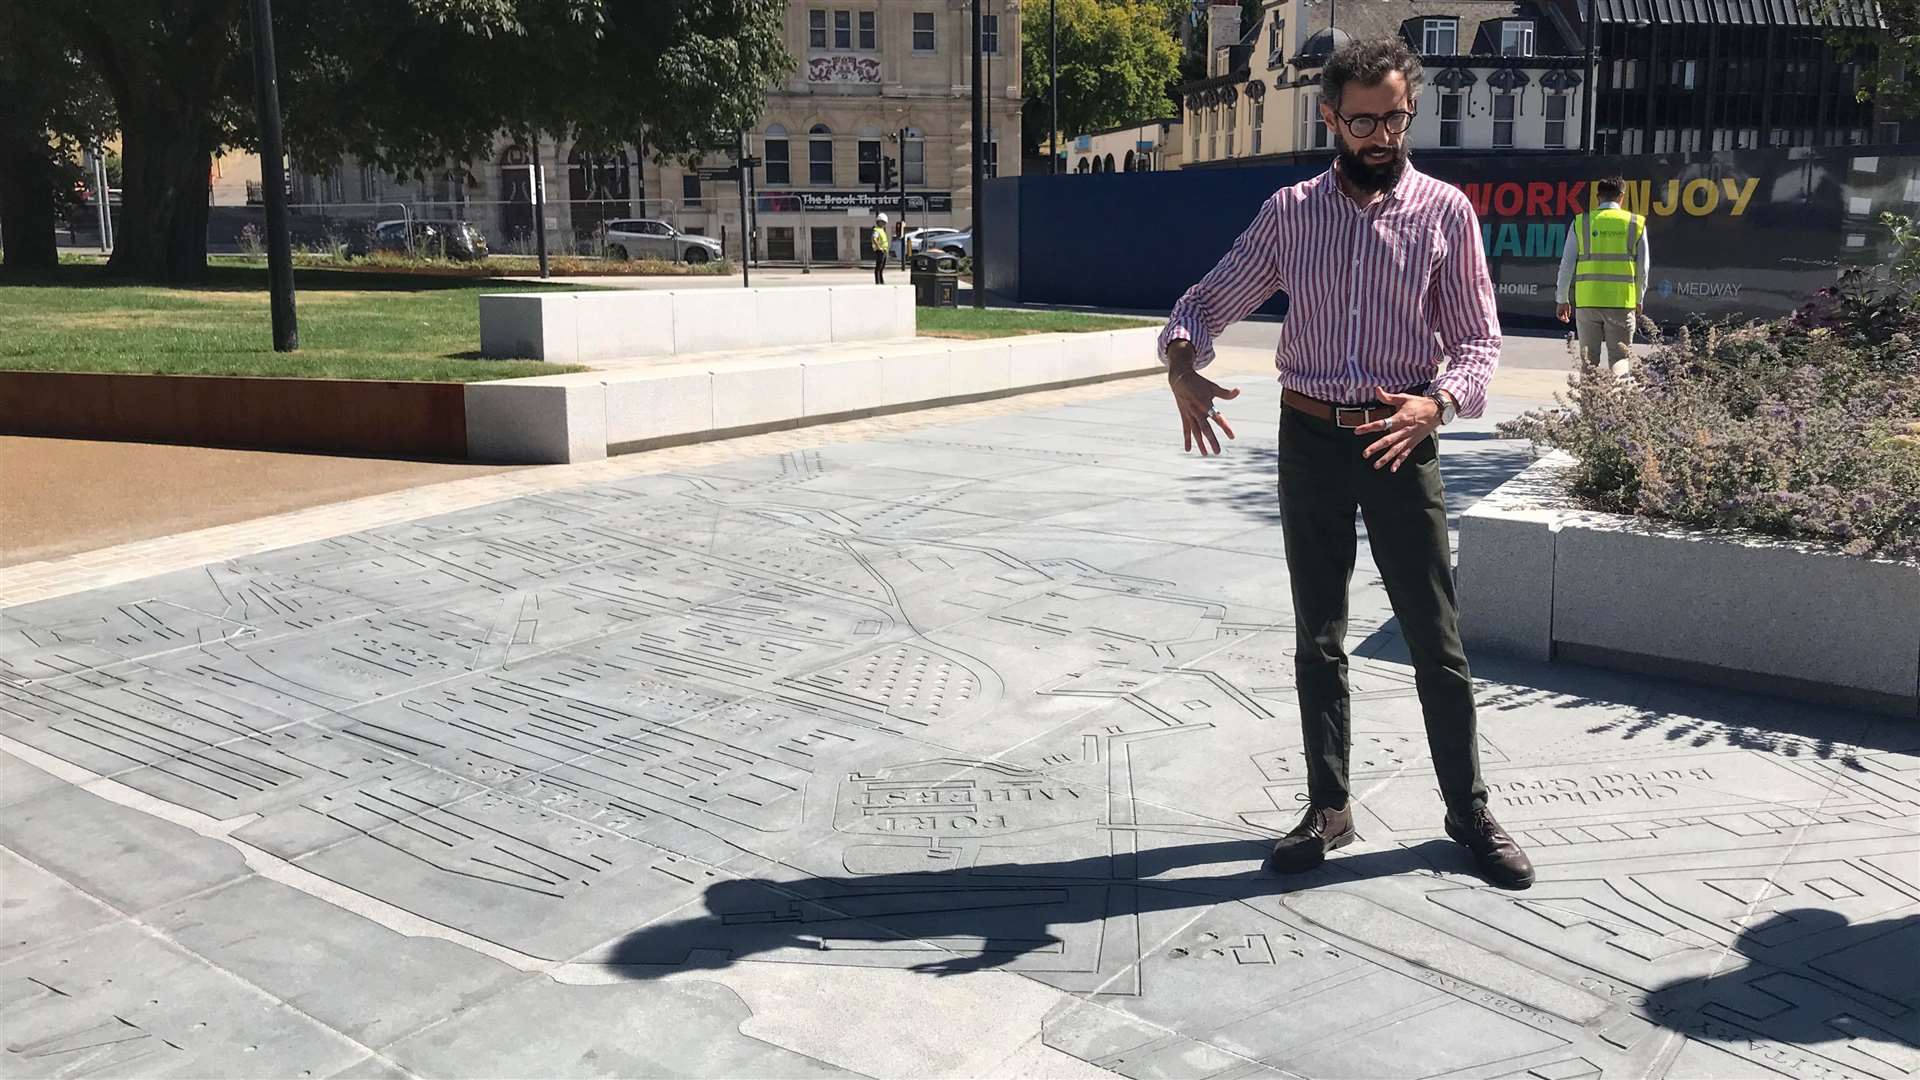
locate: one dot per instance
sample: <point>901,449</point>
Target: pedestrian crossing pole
<point>273,177</point>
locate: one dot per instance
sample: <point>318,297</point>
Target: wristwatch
<point>1448,410</point>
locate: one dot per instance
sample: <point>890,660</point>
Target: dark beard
<point>1372,179</point>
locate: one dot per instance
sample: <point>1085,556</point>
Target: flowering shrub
<point>1805,427</point>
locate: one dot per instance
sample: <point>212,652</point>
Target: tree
<point>1889,59</point>
<point>406,85</point>
<point>50,108</point>
<point>1116,59</point>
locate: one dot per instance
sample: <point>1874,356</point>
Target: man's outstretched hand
<point>1194,395</point>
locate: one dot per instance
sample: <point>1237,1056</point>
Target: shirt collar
<point>1610,204</point>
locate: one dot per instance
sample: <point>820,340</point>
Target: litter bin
<point>936,279</point>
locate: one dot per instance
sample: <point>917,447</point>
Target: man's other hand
<point>1194,395</point>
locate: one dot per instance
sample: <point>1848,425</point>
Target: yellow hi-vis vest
<point>879,238</point>
<point>1608,241</point>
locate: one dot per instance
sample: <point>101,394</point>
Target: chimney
<point>1223,32</point>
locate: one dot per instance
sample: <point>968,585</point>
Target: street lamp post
<point>273,176</point>
<point>1592,77</point>
<point>979,165</point>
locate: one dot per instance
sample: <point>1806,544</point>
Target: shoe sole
<point>1506,883</point>
<point>1338,842</point>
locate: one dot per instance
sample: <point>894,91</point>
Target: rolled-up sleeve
<point>1243,280</point>
<point>1463,312</point>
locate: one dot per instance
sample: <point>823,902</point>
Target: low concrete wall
<point>586,415</point>
<point>388,419</point>
<point>1542,579</point>
<point>619,324</point>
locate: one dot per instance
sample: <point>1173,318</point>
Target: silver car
<point>647,238</point>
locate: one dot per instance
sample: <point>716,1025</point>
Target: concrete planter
<point>1543,579</point>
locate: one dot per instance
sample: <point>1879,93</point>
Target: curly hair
<point>1367,62</point>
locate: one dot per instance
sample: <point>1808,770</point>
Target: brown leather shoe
<point>1500,860</point>
<point>1322,830</point>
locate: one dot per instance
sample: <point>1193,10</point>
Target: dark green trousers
<point>1323,480</point>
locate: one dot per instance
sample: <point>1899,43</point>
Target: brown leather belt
<point>1346,416</point>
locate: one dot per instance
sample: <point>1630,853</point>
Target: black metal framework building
<point>1704,75</point>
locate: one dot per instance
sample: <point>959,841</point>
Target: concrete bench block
<point>1086,356</point>
<point>1134,350</point>
<point>715,320</point>
<point>797,316</point>
<point>829,386</point>
<point>1506,581</point>
<point>536,421</point>
<point>871,312</point>
<point>659,407</point>
<point>618,325</point>
<point>1786,612</point>
<point>916,376</point>
<point>979,367</point>
<point>536,326</point>
<point>753,396</point>
<point>1038,361</point>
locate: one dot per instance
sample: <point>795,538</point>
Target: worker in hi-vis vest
<point>880,250</point>
<point>1603,278</point>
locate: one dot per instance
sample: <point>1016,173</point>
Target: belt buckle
<point>1341,410</point>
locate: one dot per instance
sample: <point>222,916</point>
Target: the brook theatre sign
<point>794,202</point>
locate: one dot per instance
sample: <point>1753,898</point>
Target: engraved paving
<point>953,751</point>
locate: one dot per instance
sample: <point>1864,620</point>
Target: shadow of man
<point>1810,977</point>
<point>949,922</point>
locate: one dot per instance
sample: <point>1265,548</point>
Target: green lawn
<point>353,325</point>
<point>966,322</point>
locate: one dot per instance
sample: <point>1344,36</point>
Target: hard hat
<point>883,217</point>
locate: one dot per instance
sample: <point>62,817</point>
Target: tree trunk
<point>166,160</point>
<point>27,218</point>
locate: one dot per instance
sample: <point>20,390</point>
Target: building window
<point>915,169</point>
<point>1319,124</point>
<point>777,157</point>
<point>1452,108</point>
<point>869,158</point>
<point>690,191</point>
<point>843,29</point>
<point>1276,36</point>
<point>1440,37</point>
<point>868,37</point>
<point>1626,74</point>
<point>1233,116</point>
<point>816,29</point>
<point>1503,121</point>
<point>1516,37</point>
<point>990,34</point>
<point>992,150</point>
<point>1259,118</point>
<point>825,243</point>
<point>1685,73</point>
<point>820,156</point>
<point>1556,121</point>
<point>780,242</point>
<point>923,31</point>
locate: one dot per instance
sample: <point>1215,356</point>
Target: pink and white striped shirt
<point>1377,296</point>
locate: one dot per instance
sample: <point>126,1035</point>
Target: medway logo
<point>1563,199</point>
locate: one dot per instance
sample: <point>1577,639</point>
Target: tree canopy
<point>1889,60</point>
<point>407,85</point>
<point>1117,58</point>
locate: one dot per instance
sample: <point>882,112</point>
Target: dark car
<point>457,240</point>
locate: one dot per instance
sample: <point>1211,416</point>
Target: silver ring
<point>1213,414</point>
<point>1389,424</point>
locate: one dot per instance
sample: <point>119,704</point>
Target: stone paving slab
<point>942,749</point>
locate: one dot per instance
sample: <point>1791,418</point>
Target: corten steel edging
<point>348,416</point>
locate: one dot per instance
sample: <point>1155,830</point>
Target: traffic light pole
<point>903,194</point>
<point>746,233</point>
<point>539,204</point>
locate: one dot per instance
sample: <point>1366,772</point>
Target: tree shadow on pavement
<point>947,922</point>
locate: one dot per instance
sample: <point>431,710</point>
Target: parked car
<point>918,239</point>
<point>645,238</point>
<point>958,243</point>
<point>458,240</point>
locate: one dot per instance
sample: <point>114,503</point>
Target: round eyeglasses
<point>1396,122</point>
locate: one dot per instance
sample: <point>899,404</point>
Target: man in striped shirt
<point>1390,333</point>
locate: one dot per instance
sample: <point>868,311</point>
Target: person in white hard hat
<point>880,250</point>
